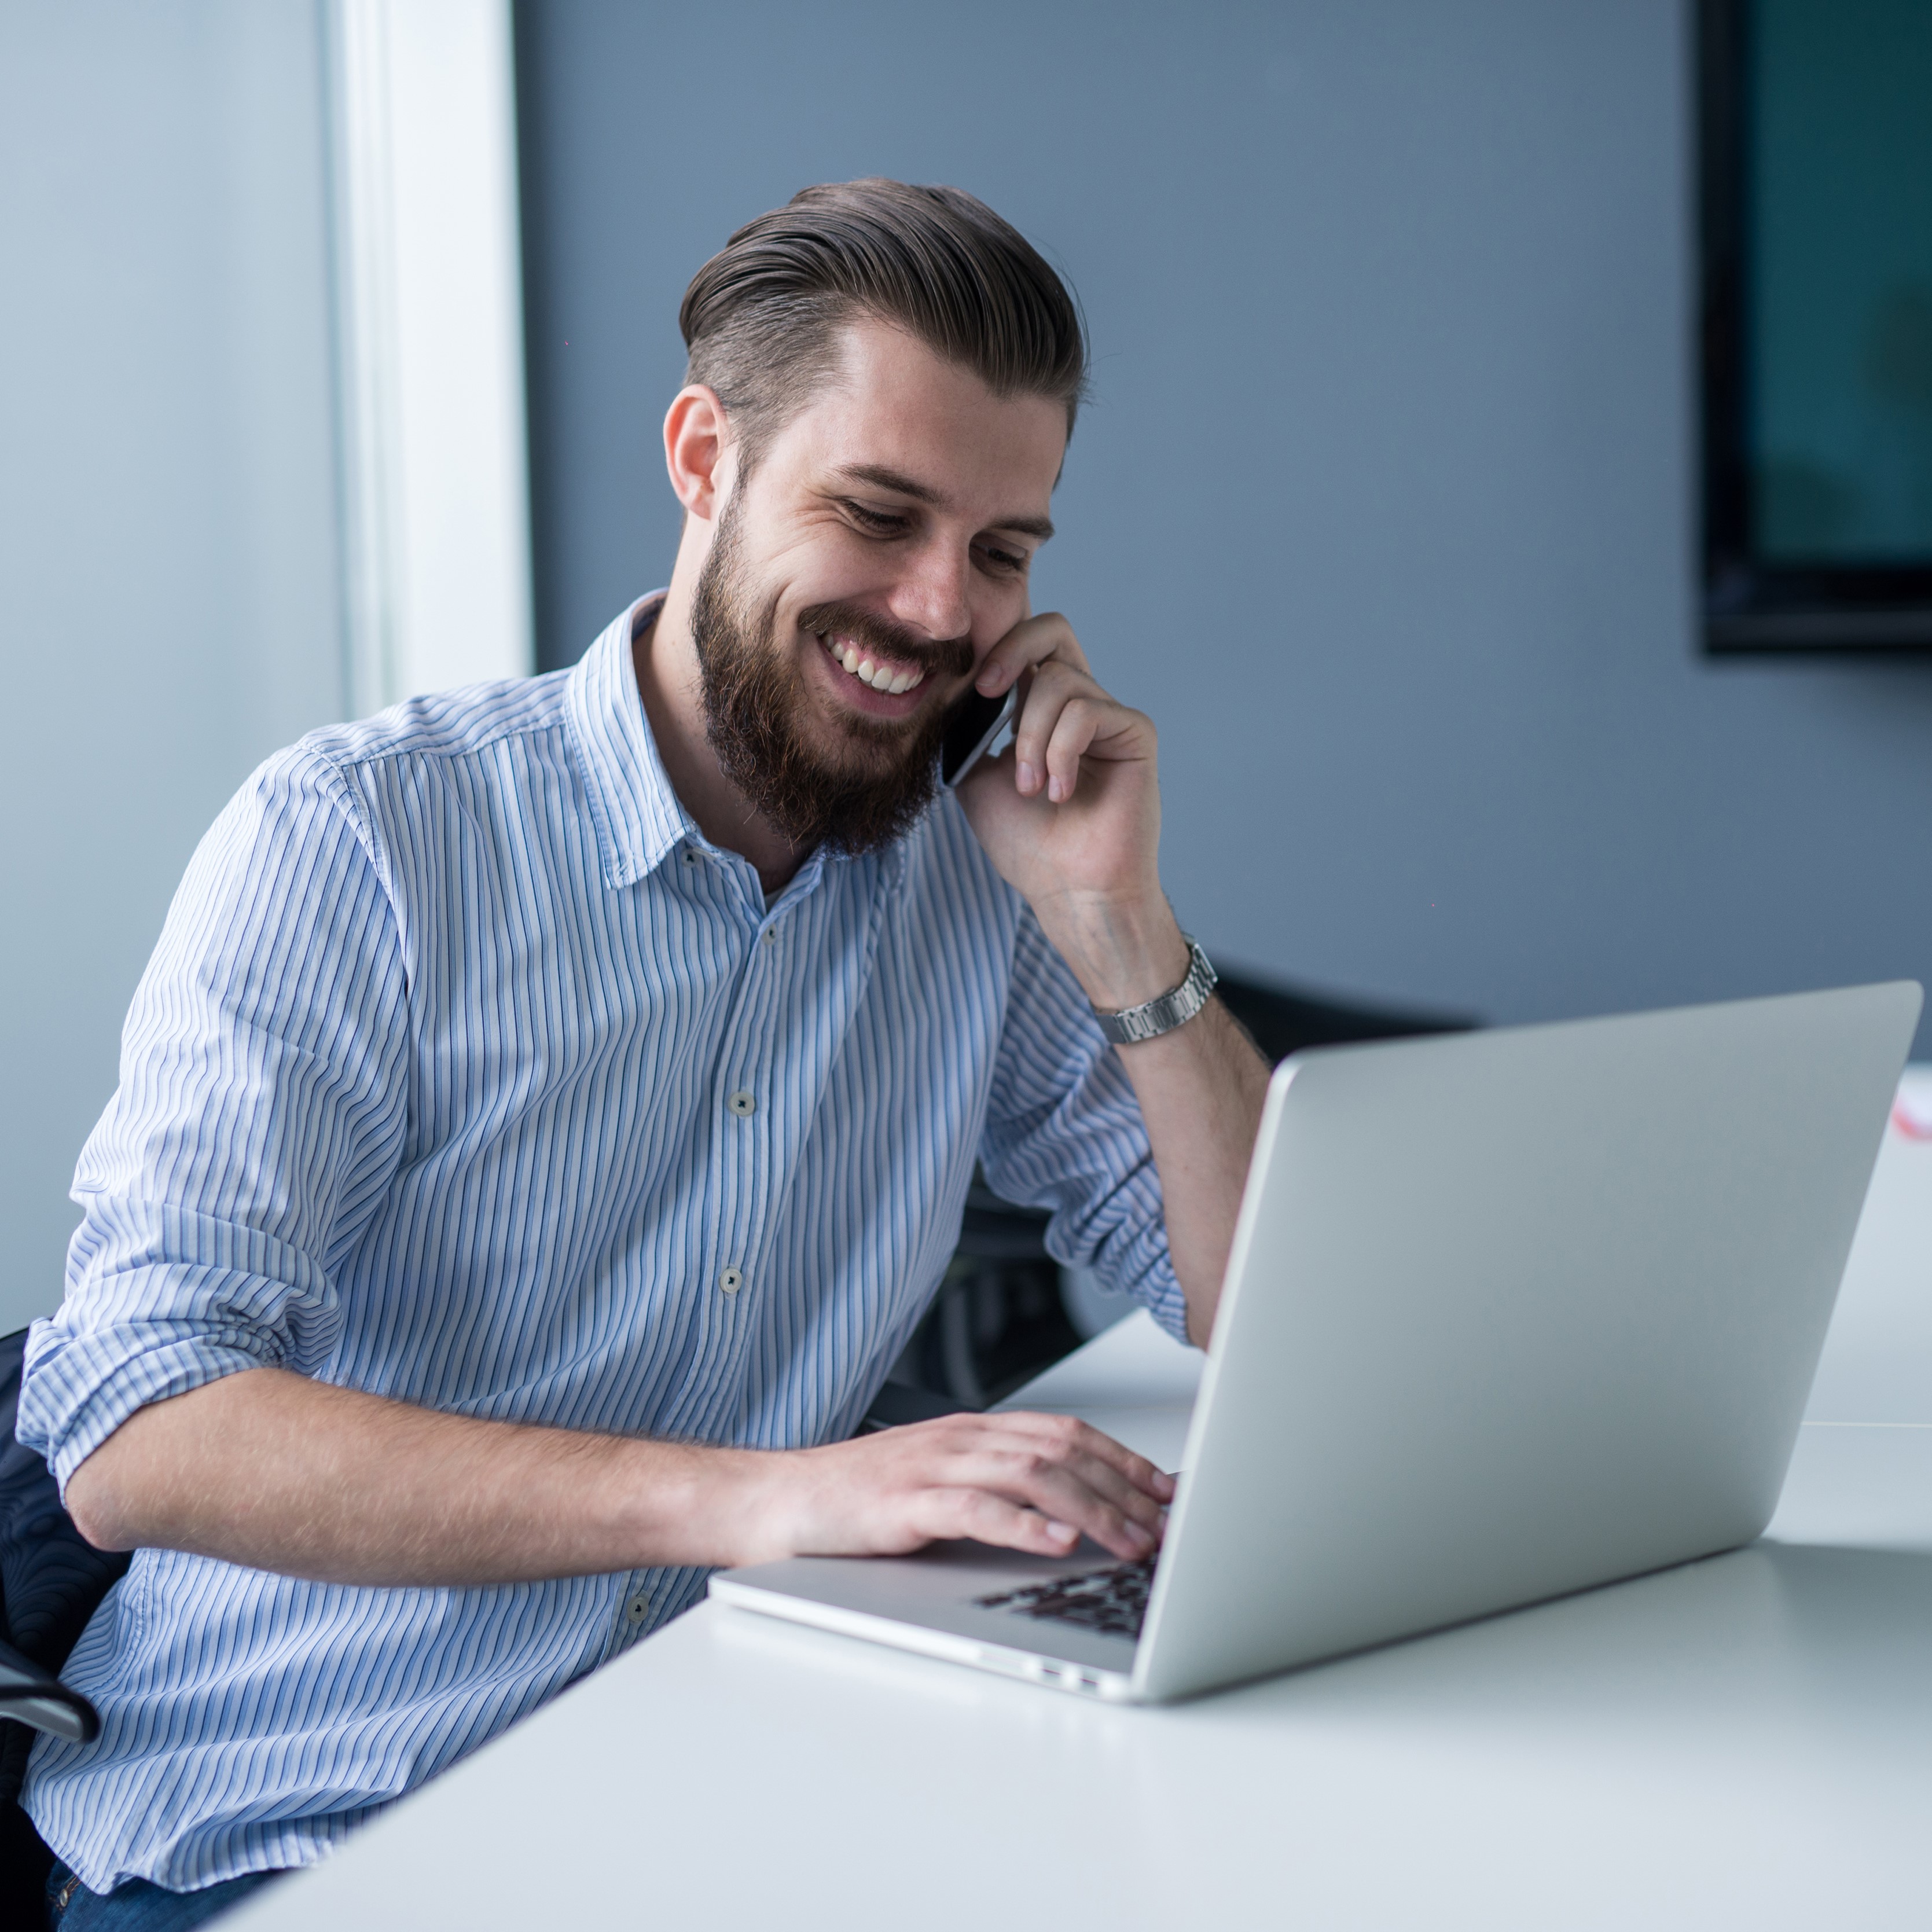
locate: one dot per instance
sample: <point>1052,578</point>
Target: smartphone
<point>977,722</point>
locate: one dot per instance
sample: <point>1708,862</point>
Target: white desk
<point>1746,1742</point>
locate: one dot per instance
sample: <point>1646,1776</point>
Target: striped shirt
<point>466,1072</point>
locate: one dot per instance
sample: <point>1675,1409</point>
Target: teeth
<point>880,677</point>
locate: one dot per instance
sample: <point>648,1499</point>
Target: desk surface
<point>1744,1741</point>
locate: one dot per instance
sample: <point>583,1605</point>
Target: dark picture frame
<point>1751,604</point>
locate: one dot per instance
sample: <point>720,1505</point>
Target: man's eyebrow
<point>881,478</point>
<point>1041,527</point>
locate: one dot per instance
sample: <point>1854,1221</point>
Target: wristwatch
<point>1153,1017</point>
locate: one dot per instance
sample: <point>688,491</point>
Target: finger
<point>989,1518</point>
<point>1038,1480</point>
<point>1103,1485</point>
<point>1054,1466</point>
<point>1100,727</point>
<point>1103,1503</point>
<point>1055,685</point>
<point>1082,1437</point>
<point>1128,1497</point>
<point>1030,642</point>
<point>1078,1478</point>
<point>1080,722</point>
<point>1101,1491</point>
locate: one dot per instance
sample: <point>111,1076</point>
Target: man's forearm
<point>1201,1087</point>
<point>272,1470</point>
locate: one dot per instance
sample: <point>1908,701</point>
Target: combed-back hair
<point>762,318</point>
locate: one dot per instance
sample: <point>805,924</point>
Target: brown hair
<point>761,318</point>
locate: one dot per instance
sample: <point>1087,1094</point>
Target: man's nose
<point>932,595</point>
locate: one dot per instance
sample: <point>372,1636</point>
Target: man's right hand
<point>1018,1479</point>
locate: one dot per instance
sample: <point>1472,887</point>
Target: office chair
<point>1281,1022</point>
<point>998,1319</point>
<point>52,1580</point>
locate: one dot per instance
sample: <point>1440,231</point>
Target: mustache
<point>952,657</point>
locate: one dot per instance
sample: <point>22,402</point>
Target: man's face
<point>878,550</point>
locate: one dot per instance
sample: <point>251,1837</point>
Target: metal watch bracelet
<point>1152,1018</point>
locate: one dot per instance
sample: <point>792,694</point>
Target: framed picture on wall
<point>1816,150</point>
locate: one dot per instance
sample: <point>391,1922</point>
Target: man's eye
<point>1006,560</point>
<point>877,521</point>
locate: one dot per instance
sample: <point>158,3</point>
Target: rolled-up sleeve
<point>1063,1131</point>
<point>260,1114</point>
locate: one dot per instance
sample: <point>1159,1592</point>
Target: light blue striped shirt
<point>466,1072</point>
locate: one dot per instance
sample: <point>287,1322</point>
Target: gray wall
<point>168,574</point>
<point>1384,508</point>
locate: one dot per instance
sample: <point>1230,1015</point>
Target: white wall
<point>184,350</point>
<point>169,568</point>
<point>429,302</point>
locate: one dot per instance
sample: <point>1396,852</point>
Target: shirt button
<point>692,856</point>
<point>731,1280</point>
<point>769,935</point>
<point>742,1104</point>
<point>636,1610</point>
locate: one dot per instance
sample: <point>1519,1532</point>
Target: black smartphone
<point>970,734</point>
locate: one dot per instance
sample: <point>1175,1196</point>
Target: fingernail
<point>1056,789</point>
<point>1029,777</point>
<point>991,678</point>
<point>1062,1532</point>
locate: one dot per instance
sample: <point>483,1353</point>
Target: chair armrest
<point>37,1698</point>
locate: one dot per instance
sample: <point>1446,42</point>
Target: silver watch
<point>1153,1017</point>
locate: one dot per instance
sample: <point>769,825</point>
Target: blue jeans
<point>138,1906</point>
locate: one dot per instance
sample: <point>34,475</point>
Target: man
<point>550,1106</point>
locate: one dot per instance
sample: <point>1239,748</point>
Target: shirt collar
<point>638,816</point>
<point>640,821</point>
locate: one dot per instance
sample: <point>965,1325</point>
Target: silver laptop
<point>1508,1314</point>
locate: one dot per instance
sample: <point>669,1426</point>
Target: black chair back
<point>52,1580</point>
<point>1282,1021</point>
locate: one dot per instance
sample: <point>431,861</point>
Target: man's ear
<point>697,438</point>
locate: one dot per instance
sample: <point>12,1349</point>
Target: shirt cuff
<point>78,1390</point>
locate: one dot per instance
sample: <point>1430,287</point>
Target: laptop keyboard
<point>1113,1599</point>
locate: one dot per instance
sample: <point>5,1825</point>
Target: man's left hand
<point>1070,814</point>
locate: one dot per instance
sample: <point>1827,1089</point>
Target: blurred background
<point>338,333</point>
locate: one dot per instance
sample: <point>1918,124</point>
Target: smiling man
<point>551,1104</point>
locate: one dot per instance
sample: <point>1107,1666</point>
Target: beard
<point>858,783</point>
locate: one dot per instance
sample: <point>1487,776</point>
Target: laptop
<point>1508,1314</point>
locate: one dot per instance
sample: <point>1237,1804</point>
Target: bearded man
<point>551,1104</point>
